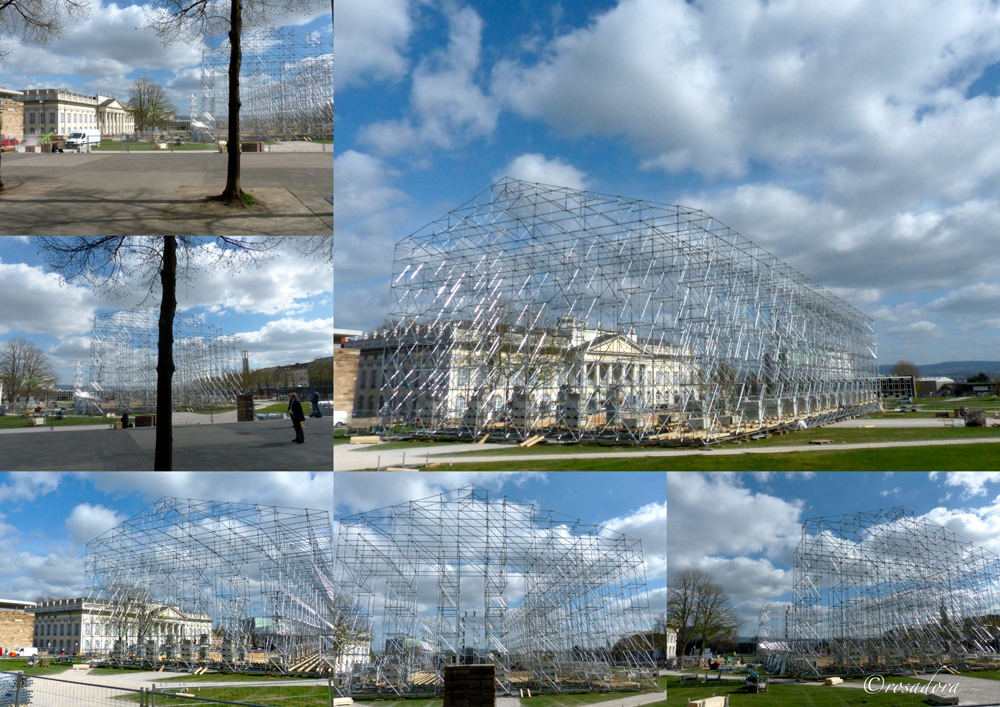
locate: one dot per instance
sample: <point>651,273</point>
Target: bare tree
<point>148,103</point>
<point>116,265</point>
<point>36,22</point>
<point>173,19</point>
<point>698,607</point>
<point>24,367</point>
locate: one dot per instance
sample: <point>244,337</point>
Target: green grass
<point>214,412</point>
<point>402,703</point>
<point>973,457</point>
<point>786,695</point>
<point>11,665</point>
<point>574,700</point>
<point>229,677</point>
<point>414,444</point>
<point>9,422</point>
<point>985,674</point>
<point>304,695</point>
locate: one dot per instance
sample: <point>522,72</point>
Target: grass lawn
<point>8,422</point>
<point>299,695</point>
<point>786,695</point>
<point>12,665</point>
<point>214,412</point>
<point>402,703</point>
<point>228,677</point>
<point>562,700</point>
<point>973,457</point>
<point>984,674</point>
<point>414,444</point>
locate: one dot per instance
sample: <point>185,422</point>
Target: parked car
<point>905,401</point>
<point>339,418</point>
<point>23,652</point>
<point>82,137</point>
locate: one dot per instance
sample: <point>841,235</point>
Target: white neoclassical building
<point>60,111</point>
<point>81,626</point>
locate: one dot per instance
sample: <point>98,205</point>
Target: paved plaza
<point>264,445</point>
<point>110,193</point>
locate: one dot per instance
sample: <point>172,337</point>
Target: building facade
<point>671,643</point>
<point>60,111</point>
<point>11,116</point>
<point>17,624</point>
<point>81,626</point>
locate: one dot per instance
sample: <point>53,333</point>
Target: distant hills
<point>957,370</point>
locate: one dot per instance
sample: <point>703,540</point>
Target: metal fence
<point>19,690</point>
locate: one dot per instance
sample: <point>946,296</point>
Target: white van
<point>340,418</point>
<point>81,137</point>
<point>24,652</point>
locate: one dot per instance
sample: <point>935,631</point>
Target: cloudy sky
<point>113,46</point>
<point>742,528</point>
<point>48,518</point>
<point>855,141</point>
<point>629,503</point>
<point>282,311</point>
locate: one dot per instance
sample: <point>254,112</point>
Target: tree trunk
<point>232,192</point>
<point>164,458</point>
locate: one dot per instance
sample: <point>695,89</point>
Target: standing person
<point>315,404</point>
<point>298,417</point>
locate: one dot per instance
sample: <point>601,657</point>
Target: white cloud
<point>290,489</point>
<point>370,38</point>
<point>87,522</point>
<point>972,483</point>
<point>714,515</point>
<point>281,339</point>
<point>649,524</point>
<point>360,491</point>
<point>28,294</point>
<point>448,106</point>
<point>27,486</point>
<point>979,525</point>
<point>534,167</point>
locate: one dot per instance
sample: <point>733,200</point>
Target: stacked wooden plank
<point>469,686</point>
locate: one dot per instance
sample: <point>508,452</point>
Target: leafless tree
<point>905,368</point>
<point>698,607</point>
<point>148,103</point>
<point>116,265</point>
<point>184,19</point>
<point>24,367</point>
<point>36,22</point>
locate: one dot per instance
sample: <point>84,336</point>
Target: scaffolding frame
<point>582,621</point>
<point>535,309</point>
<point>124,355</point>
<point>262,574</point>
<point>886,591</point>
<point>286,86</point>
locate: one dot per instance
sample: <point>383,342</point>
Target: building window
<point>31,118</point>
<point>62,117</point>
<point>86,629</point>
<point>52,117</point>
<point>86,645</point>
<point>41,118</point>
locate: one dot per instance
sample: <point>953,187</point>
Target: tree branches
<point>697,607</point>
<point>24,368</point>
<point>148,103</point>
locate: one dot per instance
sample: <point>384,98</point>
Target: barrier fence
<point>19,690</point>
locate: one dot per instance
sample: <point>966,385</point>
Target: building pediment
<point>111,104</point>
<point>612,345</point>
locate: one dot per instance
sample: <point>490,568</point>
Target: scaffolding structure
<point>263,576</point>
<point>544,310</point>
<point>885,591</point>
<point>123,359</point>
<point>552,601</point>
<point>286,87</point>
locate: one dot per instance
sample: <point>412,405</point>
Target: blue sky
<point>631,503</point>
<point>112,47</point>
<point>48,518</point>
<point>857,142</point>
<point>742,528</point>
<point>283,311</point>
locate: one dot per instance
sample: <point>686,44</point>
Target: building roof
<point>6,92</point>
<point>15,604</point>
<point>939,379</point>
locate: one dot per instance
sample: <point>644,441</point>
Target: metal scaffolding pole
<point>887,591</point>
<point>552,601</point>
<point>261,575</point>
<point>544,310</point>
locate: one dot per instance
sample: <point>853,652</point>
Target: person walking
<point>298,417</point>
<point>315,404</point>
